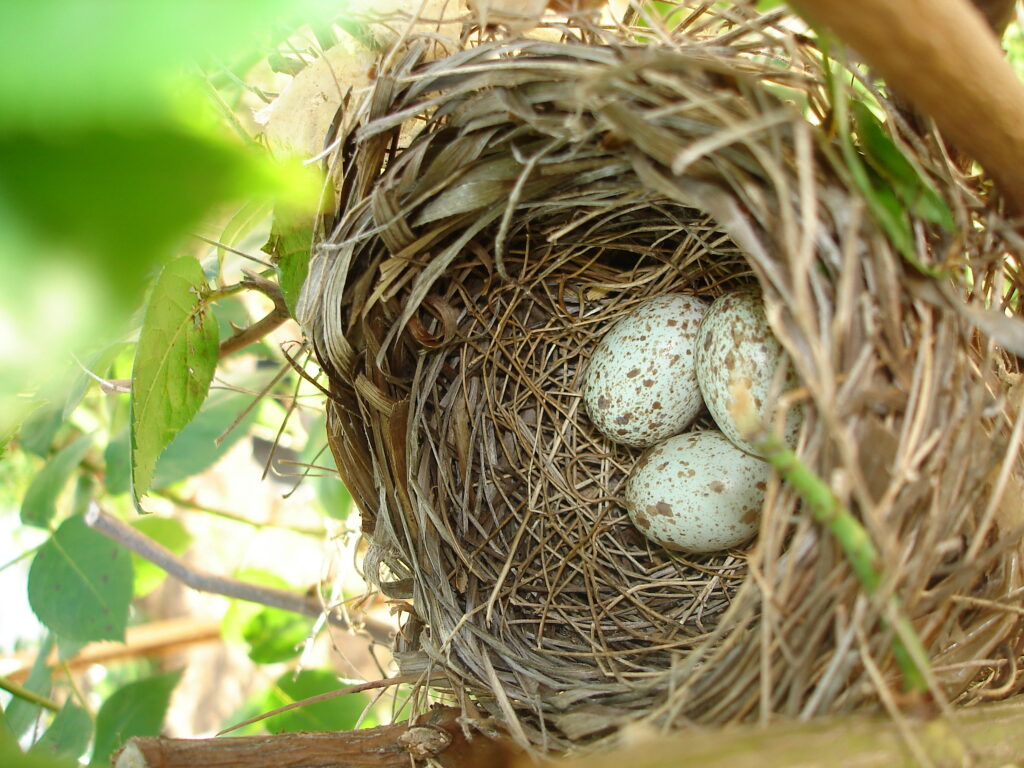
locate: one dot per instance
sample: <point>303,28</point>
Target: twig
<point>229,249</point>
<point>30,696</point>
<point>202,581</point>
<point>275,318</point>
<point>192,506</point>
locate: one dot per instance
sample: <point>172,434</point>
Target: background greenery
<point>132,201</point>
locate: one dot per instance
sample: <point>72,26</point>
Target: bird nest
<point>499,207</point>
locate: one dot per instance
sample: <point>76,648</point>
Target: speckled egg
<point>735,345</point>
<point>641,384</point>
<point>697,492</point>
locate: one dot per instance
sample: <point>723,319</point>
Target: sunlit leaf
<point>274,635</point>
<point>137,709</point>
<point>80,584</point>
<point>67,737</point>
<point>241,612</point>
<point>174,364</point>
<point>289,243</point>
<point>165,531</point>
<point>39,506</point>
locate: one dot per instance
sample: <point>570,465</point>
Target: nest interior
<point>499,207</point>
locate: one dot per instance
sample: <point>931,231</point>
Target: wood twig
<point>203,581</point>
<point>243,337</point>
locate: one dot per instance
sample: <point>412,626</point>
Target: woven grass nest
<point>500,206</point>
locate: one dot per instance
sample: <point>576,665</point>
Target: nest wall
<point>499,208</point>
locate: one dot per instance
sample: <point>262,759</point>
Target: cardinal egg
<point>735,346</point>
<point>641,384</point>
<point>696,492</point>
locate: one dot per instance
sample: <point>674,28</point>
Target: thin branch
<point>203,581</point>
<point>274,319</point>
<point>229,249</point>
<point>30,696</point>
<point>192,506</point>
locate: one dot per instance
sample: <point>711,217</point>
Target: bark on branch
<point>438,735</point>
<point>943,57</point>
<point>203,581</point>
<point>988,736</point>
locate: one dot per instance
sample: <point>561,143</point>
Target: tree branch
<point>943,57</point>
<point>202,581</point>
<point>439,735</point>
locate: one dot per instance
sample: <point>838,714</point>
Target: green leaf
<point>274,635</point>
<point>80,584</point>
<point>174,364</point>
<point>67,737</point>
<point>195,448</point>
<point>163,530</point>
<point>20,713</point>
<point>38,430</point>
<point>84,81</point>
<point>11,757</point>
<point>137,709</point>
<point>241,612</point>
<point>14,412</point>
<point>288,246</point>
<point>340,713</point>
<point>117,478</point>
<point>6,733</point>
<point>40,503</point>
<point>885,158</point>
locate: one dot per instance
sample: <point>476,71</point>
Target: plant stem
<point>30,696</point>
<point>187,504</point>
<point>907,648</point>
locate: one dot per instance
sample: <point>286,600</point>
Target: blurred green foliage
<point>120,138</point>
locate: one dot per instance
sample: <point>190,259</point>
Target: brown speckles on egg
<point>696,492</point>
<point>735,346</point>
<point>640,385</point>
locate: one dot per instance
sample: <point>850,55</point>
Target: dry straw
<point>499,207</point>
